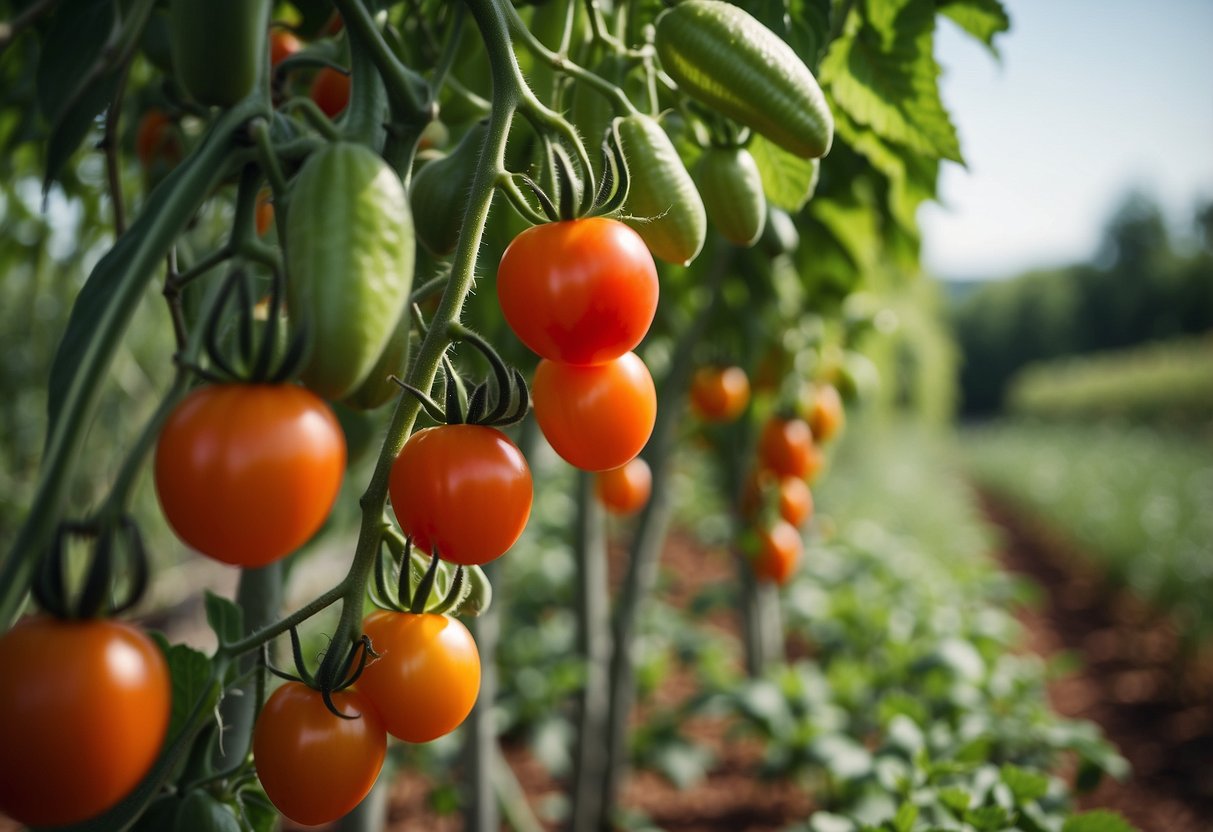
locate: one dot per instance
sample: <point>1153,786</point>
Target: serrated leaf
<point>883,74</point>
<point>1025,785</point>
<point>983,19</point>
<point>190,671</point>
<point>225,618</point>
<point>787,180</point>
<point>1099,820</point>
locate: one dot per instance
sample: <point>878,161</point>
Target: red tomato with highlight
<point>158,140</point>
<point>84,708</point>
<point>427,676</point>
<point>315,766</point>
<point>283,44</point>
<point>826,416</point>
<point>463,489</point>
<point>779,552</point>
<point>579,291</point>
<point>785,446</point>
<point>719,394</point>
<point>596,417</point>
<point>247,473</point>
<point>331,91</point>
<point>625,490</point>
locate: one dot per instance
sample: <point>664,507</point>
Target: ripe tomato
<point>84,707</point>
<point>264,215</point>
<point>315,766</point>
<point>427,676</point>
<point>579,292</point>
<point>626,489</point>
<point>158,140</point>
<point>785,446</point>
<point>597,417</point>
<point>246,473</point>
<point>779,551</point>
<point>719,394</point>
<point>331,91</point>
<point>283,44</point>
<point>826,416</point>
<point>795,500</point>
<point>465,489</point>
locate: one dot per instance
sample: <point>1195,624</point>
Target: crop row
<point>1137,500</point>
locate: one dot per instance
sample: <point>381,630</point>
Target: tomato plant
<point>446,475</point>
<point>84,707</point>
<point>579,292</point>
<point>785,446</point>
<point>427,676</point>
<point>596,417</point>
<point>779,552</point>
<point>246,473</point>
<point>626,489</point>
<point>795,500</point>
<point>719,394</point>
<point>331,91</point>
<point>315,766</point>
<point>826,416</point>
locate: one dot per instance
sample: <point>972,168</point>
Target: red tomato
<point>331,91</point>
<point>283,44</point>
<point>786,447</point>
<point>315,766</point>
<point>427,677</point>
<point>625,490</point>
<point>84,707</point>
<point>465,489</point>
<point>246,473</point>
<point>264,215</point>
<point>579,292</point>
<point>157,139</point>
<point>795,500</point>
<point>719,394</point>
<point>597,417</point>
<point>826,416</point>
<point>779,552</point>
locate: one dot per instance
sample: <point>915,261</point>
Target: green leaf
<point>988,818</point>
<point>1025,785</point>
<point>830,822</point>
<point>258,813</point>
<point>956,800</point>
<point>684,764</point>
<point>224,617</point>
<point>190,671</point>
<point>787,180</point>
<point>983,19</point>
<point>903,821</point>
<point>882,73</point>
<point>1099,820</point>
<point>842,756</point>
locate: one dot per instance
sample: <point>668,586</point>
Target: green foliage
<point>1168,383</point>
<point>1136,500</point>
<point>1139,288</point>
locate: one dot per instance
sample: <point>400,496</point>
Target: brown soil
<point>1153,703</point>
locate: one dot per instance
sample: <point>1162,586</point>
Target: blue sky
<point>1090,98</point>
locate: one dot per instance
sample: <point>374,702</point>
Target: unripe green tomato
<point>378,388</point>
<point>439,193</point>
<point>731,187</point>
<point>218,47</point>
<point>663,204</point>
<point>779,234</point>
<point>350,256</point>
<point>722,56</point>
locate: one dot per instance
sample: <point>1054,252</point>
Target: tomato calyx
<point>255,357</point>
<point>349,670</point>
<point>577,196</point>
<point>97,595</point>
<point>406,580</point>
<point>500,400</point>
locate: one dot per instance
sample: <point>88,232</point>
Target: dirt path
<point>1156,708</point>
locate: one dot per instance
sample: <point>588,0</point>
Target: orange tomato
<point>158,140</point>
<point>264,215</point>
<point>825,416</point>
<point>283,44</point>
<point>795,500</point>
<point>785,446</point>
<point>331,91</point>
<point>779,552</point>
<point>719,394</point>
<point>626,489</point>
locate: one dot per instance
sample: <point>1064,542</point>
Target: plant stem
<point>480,740</point>
<point>594,645</point>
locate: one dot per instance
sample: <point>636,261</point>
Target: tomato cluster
<point>582,294</point>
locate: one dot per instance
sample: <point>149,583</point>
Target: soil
<point>1155,704</point>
